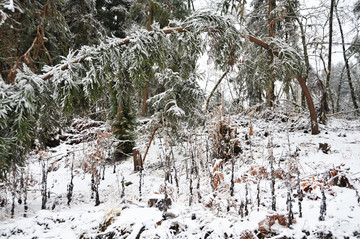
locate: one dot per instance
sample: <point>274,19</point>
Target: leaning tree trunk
<point>302,82</point>
<point>306,55</point>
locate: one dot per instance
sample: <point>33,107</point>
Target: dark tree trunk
<point>352,91</point>
<point>270,96</point>
<point>44,185</point>
<point>328,72</point>
<point>302,82</point>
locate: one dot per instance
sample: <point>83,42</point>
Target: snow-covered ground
<point>213,213</point>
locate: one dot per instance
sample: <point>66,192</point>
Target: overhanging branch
<point>121,43</point>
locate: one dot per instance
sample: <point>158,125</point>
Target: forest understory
<point>247,175</point>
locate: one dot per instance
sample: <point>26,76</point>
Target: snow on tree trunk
<point>70,186</point>
<point>272,174</point>
<point>44,183</point>
<point>191,178</point>
<point>323,204</point>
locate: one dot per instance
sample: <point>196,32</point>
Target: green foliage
<point>114,15</point>
<point>35,33</point>
<point>123,68</point>
<point>81,16</point>
<point>162,11</point>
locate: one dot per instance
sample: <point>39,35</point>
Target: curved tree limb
<point>215,87</point>
<point>302,82</point>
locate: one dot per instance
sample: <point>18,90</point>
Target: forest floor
<point>331,169</point>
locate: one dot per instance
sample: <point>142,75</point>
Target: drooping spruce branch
<point>123,64</point>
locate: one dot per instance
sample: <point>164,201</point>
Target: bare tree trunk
<point>306,55</point>
<point>352,92</point>
<point>270,96</point>
<point>339,90</point>
<point>147,84</point>
<point>328,73</point>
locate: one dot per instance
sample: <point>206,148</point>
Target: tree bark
<point>270,94</point>
<point>147,84</point>
<point>306,55</point>
<point>352,92</point>
<point>328,73</point>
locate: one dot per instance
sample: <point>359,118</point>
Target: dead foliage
<point>338,178</point>
<point>217,176</point>
<point>259,172</point>
<point>224,141</point>
<point>247,234</point>
<point>266,224</point>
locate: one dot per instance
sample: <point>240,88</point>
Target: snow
<point>10,6</point>
<point>131,216</point>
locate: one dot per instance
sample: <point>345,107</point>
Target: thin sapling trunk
<point>272,173</point>
<point>44,183</point>
<point>70,186</point>
<point>323,204</point>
